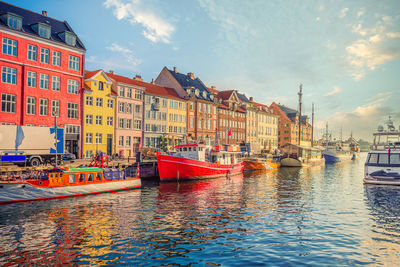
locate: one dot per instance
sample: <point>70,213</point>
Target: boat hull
<point>11,192</point>
<point>258,166</point>
<point>332,158</point>
<point>381,181</point>
<point>293,162</point>
<point>172,168</point>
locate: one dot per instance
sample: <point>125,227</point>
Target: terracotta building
<point>202,105</point>
<point>42,69</point>
<point>289,126</point>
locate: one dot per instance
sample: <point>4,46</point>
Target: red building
<point>42,67</point>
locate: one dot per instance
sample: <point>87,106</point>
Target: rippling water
<point>318,216</point>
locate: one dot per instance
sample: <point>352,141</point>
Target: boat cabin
<point>296,151</point>
<point>382,158</point>
<point>191,151</point>
<point>225,154</point>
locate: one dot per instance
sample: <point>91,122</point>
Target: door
<point>109,144</point>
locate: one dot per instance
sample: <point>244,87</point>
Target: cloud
<point>108,64</point>
<point>379,98</point>
<point>343,12</point>
<point>376,46</point>
<point>156,29</point>
<point>317,19</point>
<point>336,90</point>
<point>360,12</point>
<point>125,52</point>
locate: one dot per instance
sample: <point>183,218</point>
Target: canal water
<point>317,216</point>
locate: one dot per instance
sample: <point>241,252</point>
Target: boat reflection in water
<point>384,209</point>
<point>59,232</point>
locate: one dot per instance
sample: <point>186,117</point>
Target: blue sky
<point>345,53</point>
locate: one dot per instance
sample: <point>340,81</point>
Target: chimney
<point>138,78</point>
<point>175,70</point>
<point>251,99</point>
<point>191,75</point>
<point>111,71</point>
<point>213,87</point>
<point>44,13</point>
<point>152,81</point>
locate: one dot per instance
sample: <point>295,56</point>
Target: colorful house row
<point>43,76</point>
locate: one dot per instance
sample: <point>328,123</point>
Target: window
<point>55,108</point>
<point>9,75</point>
<point>138,125</point>
<point>90,177</point>
<point>74,63</point>
<point>89,138</point>
<point>191,123</point>
<point>81,177</point>
<point>99,120</point>
<point>138,95</point>
<point>99,138</point>
<point>44,30</point>
<point>44,107</point>
<point>98,176</point>
<point>31,79</point>
<point>164,103</point>
<point>70,38</point>
<point>128,123</point>
<point>99,102</point>
<point>121,107</point>
<point>128,141</point>
<point>73,87</point>
<point>148,99</point>
<point>72,178</point>
<point>89,119</point>
<point>31,105</point>
<point>110,121</point>
<point>101,86</point>
<point>129,93</point>
<point>89,100</point>
<point>56,83</point>
<point>121,141</point>
<point>72,110</point>
<point>110,103</point>
<point>129,108</point>
<point>122,91</point>
<point>121,123</point>
<point>383,159</point>
<point>56,58</point>
<point>32,52</point>
<point>394,158</point>
<point>14,22</point>
<point>138,109</point>
<point>10,47</point>
<point>44,81</point>
<point>44,55</point>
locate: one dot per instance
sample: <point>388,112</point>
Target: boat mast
<point>300,95</point>
<point>312,125</point>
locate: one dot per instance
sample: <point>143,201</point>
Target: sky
<point>346,54</point>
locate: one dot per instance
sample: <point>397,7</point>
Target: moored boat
<point>383,161</point>
<point>256,164</point>
<point>196,161</point>
<point>67,182</point>
<point>300,156</point>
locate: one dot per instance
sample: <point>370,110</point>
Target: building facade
<point>267,128</point>
<point>202,105</point>
<point>231,119</point>
<point>98,114</point>
<point>129,114</point>
<point>42,66</point>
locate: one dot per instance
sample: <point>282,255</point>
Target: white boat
<point>301,156</point>
<point>383,161</point>
<point>337,153</point>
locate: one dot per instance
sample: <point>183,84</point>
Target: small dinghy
<point>384,177</point>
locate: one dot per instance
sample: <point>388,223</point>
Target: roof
<point>150,88</point>
<point>243,97</point>
<point>30,18</point>
<point>212,90</point>
<point>288,111</point>
<point>225,95</point>
<point>89,74</point>
<point>186,82</point>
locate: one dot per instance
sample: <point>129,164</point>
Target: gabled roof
<point>186,82</point>
<point>150,88</point>
<point>89,74</point>
<point>30,18</point>
<point>288,111</point>
<point>243,98</point>
<point>225,95</point>
<point>212,90</point>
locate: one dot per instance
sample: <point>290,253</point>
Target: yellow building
<point>98,114</point>
<point>177,120</point>
<point>267,128</point>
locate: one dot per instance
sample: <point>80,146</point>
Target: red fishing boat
<point>68,182</point>
<point>196,161</point>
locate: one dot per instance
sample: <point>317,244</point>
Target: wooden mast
<point>300,95</point>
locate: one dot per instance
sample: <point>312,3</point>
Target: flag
<point>389,152</point>
<point>137,170</point>
<point>230,132</point>
<point>19,137</point>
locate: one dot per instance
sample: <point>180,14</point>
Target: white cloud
<point>360,12</point>
<point>108,64</point>
<point>380,98</point>
<point>343,12</point>
<point>336,90</point>
<point>156,29</point>
<point>127,53</point>
<point>317,19</point>
<point>375,47</point>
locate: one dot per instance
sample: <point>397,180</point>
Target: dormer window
<point>14,21</point>
<point>68,37</point>
<point>42,30</point>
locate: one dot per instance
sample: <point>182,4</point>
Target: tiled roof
<point>225,95</point>
<point>30,18</point>
<point>149,87</point>
<point>90,74</point>
<point>288,111</point>
<point>185,81</point>
<point>213,91</point>
<point>243,97</point>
